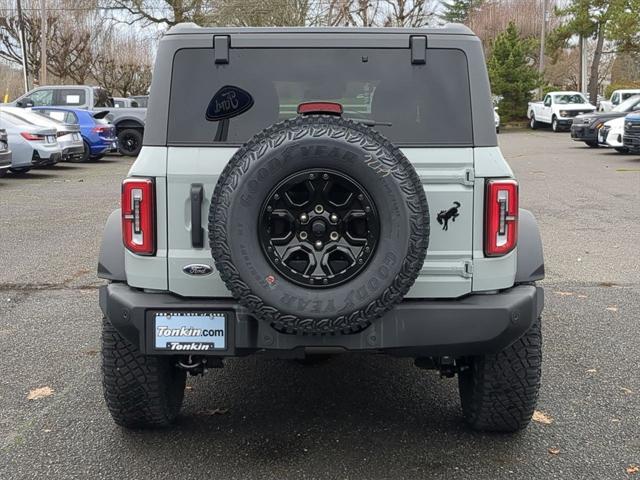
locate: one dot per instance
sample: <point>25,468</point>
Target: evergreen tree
<point>511,71</point>
<point>458,11</point>
<point>615,21</point>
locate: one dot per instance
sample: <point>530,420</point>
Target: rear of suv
<point>301,193</point>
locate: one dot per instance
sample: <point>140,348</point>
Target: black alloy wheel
<point>319,228</point>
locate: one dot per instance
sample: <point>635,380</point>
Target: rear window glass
<point>71,97</point>
<point>425,104</point>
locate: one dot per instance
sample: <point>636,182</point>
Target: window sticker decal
<point>228,102</point>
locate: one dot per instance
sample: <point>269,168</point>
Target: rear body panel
<point>453,175</point>
<point>455,264</point>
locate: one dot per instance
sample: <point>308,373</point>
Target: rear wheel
<point>130,142</point>
<point>85,155</point>
<point>533,124</point>
<point>140,391</point>
<point>499,391</point>
<point>592,144</point>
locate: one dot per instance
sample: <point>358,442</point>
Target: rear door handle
<point>197,232</point>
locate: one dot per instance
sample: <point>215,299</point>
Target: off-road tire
<point>140,391</point>
<point>235,207</point>
<point>499,391</point>
<point>130,142</point>
<point>533,123</point>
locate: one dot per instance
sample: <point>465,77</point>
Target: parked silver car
<point>68,134</point>
<point>5,154</point>
<point>31,145</point>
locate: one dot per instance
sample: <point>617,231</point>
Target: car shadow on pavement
<point>32,175</point>
<point>350,409</point>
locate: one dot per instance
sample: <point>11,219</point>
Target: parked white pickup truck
<point>558,109</point>
<point>617,97</point>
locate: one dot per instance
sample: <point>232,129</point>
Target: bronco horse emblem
<point>445,215</point>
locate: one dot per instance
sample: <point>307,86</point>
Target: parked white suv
<point>558,109</point>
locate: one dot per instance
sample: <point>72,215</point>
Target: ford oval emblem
<point>198,269</point>
<point>228,102</point>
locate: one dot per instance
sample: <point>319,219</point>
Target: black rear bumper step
<point>474,325</point>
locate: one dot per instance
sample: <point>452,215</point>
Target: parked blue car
<point>98,134</point>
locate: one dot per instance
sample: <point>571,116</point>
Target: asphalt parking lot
<point>354,416</point>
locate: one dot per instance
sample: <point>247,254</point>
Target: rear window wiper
<point>372,123</point>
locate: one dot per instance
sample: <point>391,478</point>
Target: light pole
<point>23,45</point>
<point>543,35</point>
<point>43,42</point>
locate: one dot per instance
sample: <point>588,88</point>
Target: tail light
<point>501,217</point>
<point>32,137</point>
<point>138,215</point>
<point>101,129</point>
<point>327,108</point>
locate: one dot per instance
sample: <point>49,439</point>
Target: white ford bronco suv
<point>302,192</point>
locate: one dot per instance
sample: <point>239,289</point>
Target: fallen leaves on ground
<point>626,390</point>
<point>542,417</point>
<point>553,450</point>
<point>563,294</point>
<point>38,393</point>
<point>592,370</point>
<point>633,469</point>
<point>188,387</point>
<point>612,309</point>
<point>215,411</point>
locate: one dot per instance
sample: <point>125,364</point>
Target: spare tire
<point>319,225</point>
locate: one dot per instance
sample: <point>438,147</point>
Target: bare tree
<point>288,13</point>
<point>124,64</point>
<point>377,13</point>
<point>165,12</point>
<point>404,13</point>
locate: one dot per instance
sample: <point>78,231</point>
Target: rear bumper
<point>73,152</point>
<point>38,160</point>
<point>474,325</point>
<point>5,159</point>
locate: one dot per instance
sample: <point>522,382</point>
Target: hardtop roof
<point>192,28</point>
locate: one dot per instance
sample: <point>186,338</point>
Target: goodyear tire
<point>277,294</point>
<point>499,391</point>
<point>140,391</point>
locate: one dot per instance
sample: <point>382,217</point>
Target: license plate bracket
<point>189,332</point>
